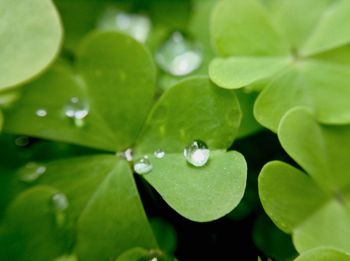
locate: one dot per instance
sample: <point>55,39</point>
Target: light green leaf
<point>283,190</point>
<point>238,72</point>
<point>104,202</point>
<point>324,218</point>
<point>243,28</point>
<point>29,232</point>
<point>112,85</point>
<point>30,37</point>
<point>313,84</point>
<point>290,15</point>
<point>321,150</point>
<point>200,194</point>
<point>324,36</point>
<point>323,254</point>
<point>193,109</point>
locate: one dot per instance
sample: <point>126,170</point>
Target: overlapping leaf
<point>314,207</point>
<point>275,41</point>
<point>30,36</point>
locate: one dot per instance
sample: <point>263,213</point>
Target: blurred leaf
<point>165,235</point>
<point>323,254</point>
<point>29,231</point>
<point>133,254</point>
<point>30,39</point>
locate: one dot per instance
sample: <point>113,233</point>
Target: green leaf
<point>323,254</point>
<point>313,84</point>
<point>192,109</point>
<point>324,37</point>
<point>29,231</point>
<point>243,28</point>
<point>200,194</point>
<point>113,85</point>
<point>133,254</point>
<point>30,39</point>
<point>104,205</point>
<point>165,234</point>
<point>238,72</point>
<point>324,218</point>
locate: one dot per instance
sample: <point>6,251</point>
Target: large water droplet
<point>179,56</point>
<point>31,172</point>
<point>127,154</point>
<point>60,204</point>
<point>159,153</point>
<point>197,153</point>
<point>41,113</point>
<point>76,110</point>
<point>143,166</point>
<point>136,25</point>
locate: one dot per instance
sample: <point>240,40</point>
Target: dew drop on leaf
<point>197,153</point>
<point>60,204</point>
<point>143,166</point>
<point>137,26</point>
<point>41,113</point>
<point>31,172</point>
<point>76,110</point>
<point>178,55</point>
<point>22,141</point>
<point>127,154</point>
<point>159,153</point>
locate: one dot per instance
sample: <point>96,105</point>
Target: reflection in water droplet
<point>136,25</point>
<point>197,153</point>
<point>179,56</point>
<point>128,154</point>
<point>143,166</point>
<point>22,141</point>
<point>41,113</point>
<point>77,110</point>
<point>60,204</point>
<point>159,153</point>
<point>31,172</point>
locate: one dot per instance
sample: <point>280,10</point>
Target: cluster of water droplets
<point>31,172</point>
<point>196,154</point>
<point>178,55</point>
<point>75,109</point>
<point>136,25</point>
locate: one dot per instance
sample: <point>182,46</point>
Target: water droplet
<point>159,153</point>
<point>128,155</point>
<point>41,113</point>
<point>22,141</point>
<point>31,172</point>
<point>76,110</point>
<point>60,204</point>
<point>136,25</point>
<point>143,166</point>
<point>197,153</point>
<point>179,56</point>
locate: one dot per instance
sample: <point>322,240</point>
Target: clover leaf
<point>314,208</point>
<point>114,78</point>
<point>323,254</point>
<point>296,56</point>
<point>27,45</point>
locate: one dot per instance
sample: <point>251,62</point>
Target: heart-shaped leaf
<point>324,218</point>
<point>295,71</point>
<point>30,36</point>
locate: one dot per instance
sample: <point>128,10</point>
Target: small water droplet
<point>197,153</point>
<point>179,56</point>
<point>159,153</point>
<point>76,110</point>
<point>127,154</point>
<point>143,166</point>
<point>31,172</point>
<point>136,25</point>
<point>41,113</point>
<point>60,204</point>
<point>22,141</point>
